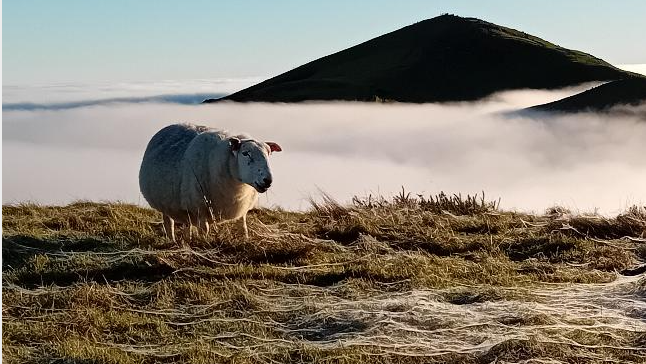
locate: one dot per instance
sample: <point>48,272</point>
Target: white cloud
<point>581,161</point>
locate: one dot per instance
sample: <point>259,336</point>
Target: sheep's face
<point>253,166</point>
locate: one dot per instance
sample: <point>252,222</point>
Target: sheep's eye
<point>246,154</point>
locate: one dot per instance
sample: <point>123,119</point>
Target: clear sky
<point>47,41</point>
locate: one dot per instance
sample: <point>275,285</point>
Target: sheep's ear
<point>274,147</point>
<point>234,143</point>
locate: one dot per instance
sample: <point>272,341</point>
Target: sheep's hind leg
<point>187,235</point>
<point>243,226</point>
<point>169,227</point>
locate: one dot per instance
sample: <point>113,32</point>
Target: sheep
<point>195,175</point>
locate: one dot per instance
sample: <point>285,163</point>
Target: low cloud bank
<point>582,161</point>
<point>185,99</point>
<point>62,93</point>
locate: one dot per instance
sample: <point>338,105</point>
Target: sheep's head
<point>253,166</point>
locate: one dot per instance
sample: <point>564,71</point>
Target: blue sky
<point>118,40</point>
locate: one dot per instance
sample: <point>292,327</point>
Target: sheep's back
<point>160,172</point>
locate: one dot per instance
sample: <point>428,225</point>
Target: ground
<point>447,279</point>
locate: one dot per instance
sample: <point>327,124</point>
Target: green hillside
<point>447,58</point>
<point>621,92</point>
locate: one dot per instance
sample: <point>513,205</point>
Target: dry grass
<point>412,279</point>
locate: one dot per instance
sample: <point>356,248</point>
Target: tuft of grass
<point>441,203</point>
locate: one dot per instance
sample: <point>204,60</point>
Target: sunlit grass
<point>381,280</point>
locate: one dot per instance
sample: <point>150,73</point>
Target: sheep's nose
<point>267,181</point>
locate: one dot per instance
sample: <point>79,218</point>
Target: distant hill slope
<point>621,92</point>
<point>447,58</point>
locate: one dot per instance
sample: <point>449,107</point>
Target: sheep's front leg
<point>169,227</point>
<point>204,228</point>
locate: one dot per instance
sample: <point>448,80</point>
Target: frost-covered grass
<point>411,279</point>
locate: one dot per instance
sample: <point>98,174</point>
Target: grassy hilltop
<point>408,280</point>
<point>446,58</point>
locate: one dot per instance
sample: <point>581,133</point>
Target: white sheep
<point>196,175</point>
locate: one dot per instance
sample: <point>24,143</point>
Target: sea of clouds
<point>91,148</point>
